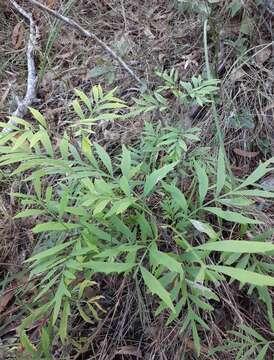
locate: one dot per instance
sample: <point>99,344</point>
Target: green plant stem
<point>214,109</point>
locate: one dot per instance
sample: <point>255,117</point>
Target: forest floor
<point>149,35</point>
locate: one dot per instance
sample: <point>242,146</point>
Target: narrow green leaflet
<point>21,140</point>
<point>231,216</point>
<point>39,117</point>
<point>255,193</point>
<point>237,201</point>
<point>196,339</point>
<point>86,148</point>
<point>177,196</point>
<point>45,342</point>
<point>84,98</point>
<point>104,157</point>
<point>74,265</point>
<point>63,202</point>
<point>33,140</point>
<point>205,228</point>
<point>249,330</point>
<point>100,206</point>
<point>121,206</point>
<point>244,276</point>
<point>37,186</point>
<point>203,181</point>
<point>52,251</point>
<point>157,288</point>
<point>238,246</point>
<point>83,285</point>
<point>258,173</point>
<point>29,212</point>
<point>45,289</point>
<point>126,162</point>
<point>64,147</point>
<point>96,92</point>
<point>25,341</point>
<point>108,267</point>
<point>54,226</point>
<point>61,293</point>
<point>262,353</point>
<point>124,185</point>
<point>156,176</point>
<point>145,227</point>
<point>45,140</point>
<point>161,258</point>
<point>83,315</point>
<point>221,175</point>
<point>35,315</point>
<point>110,106</point>
<point>122,228</point>
<point>115,251</point>
<point>78,110</point>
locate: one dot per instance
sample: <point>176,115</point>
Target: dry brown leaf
<point>232,27</point>
<point>245,153</point>
<point>190,345</point>
<point>237,75</point>
<point>50,3</point>
<point>239,171</point>
<point>17,35</point>
<point>263,56</point>
<point>5,299</point>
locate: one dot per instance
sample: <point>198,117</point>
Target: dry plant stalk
<point>30,96</point>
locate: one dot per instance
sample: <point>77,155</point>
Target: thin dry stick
<point>30,96</point>
<point>88,34</point>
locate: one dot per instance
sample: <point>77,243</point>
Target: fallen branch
<point>88,34</point>
<point>30,96</point>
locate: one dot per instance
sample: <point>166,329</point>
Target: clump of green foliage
<point>97,214</point>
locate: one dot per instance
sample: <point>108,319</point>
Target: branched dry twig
<point>30,95</point>
<point>88,34</point>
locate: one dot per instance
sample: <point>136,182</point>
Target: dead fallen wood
<point>30,96</point>
<point>88,34</point>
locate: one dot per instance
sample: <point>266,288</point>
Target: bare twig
<point>88,34</point>
<point>30,95</point>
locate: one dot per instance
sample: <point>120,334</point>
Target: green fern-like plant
<point>100,218</point>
